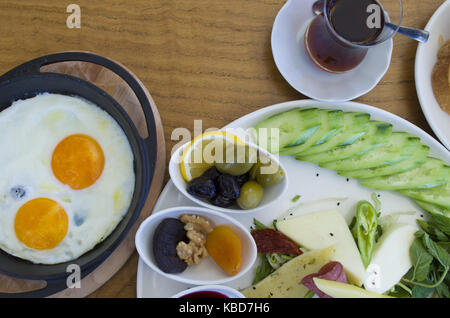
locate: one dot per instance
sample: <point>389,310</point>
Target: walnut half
<point>197,229</point>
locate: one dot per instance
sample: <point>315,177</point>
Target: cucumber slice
<point>413,155</point>
<point>377,134</point>
<point>355,125</point>
<point>439,196</point>
<point>287,128</point>
<point>433,208</point>
<point>331,122</point>
<point>432,173</point>
<point>381,156</point>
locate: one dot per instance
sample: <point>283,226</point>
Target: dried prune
<point>212,173</point>
<point>228,187</point>
<point>202,187</point>
<point>222,201</point>
<point>165,240</point>
<point>242,179</point>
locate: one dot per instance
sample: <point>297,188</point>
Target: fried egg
<point>67,177</point>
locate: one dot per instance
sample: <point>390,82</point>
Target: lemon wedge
<point>198,156</point>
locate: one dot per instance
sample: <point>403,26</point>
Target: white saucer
<point>290,57</point>
<point>426,58</point>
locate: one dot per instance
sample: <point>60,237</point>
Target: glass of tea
<point>338,39</point>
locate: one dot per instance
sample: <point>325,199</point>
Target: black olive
<point>212,173</point>
<point>202,187</point>
<point>228,187</point>
<point>222,201</point>
<point>242,179</point>
<point>17,192</point>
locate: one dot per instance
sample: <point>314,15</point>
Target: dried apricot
<point>225,247</point>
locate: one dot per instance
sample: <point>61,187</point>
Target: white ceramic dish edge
<point>426,58</point>
<point>144,237</point>
<point>271,194</point>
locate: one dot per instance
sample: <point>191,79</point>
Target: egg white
<point>29,132</point>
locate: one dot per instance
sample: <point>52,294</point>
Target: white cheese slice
<point>320,230</point>
<point>390,258</point>
<point>285,282</point>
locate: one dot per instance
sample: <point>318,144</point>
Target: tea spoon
<point>416,34</point>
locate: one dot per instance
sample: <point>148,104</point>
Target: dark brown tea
<point>349,19</point>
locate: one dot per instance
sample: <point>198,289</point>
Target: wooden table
<point>202,59</point>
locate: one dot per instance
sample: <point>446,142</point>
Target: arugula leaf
<point>445,245</point>
<point>259,225</point>
<point>263,270</point>
<point>421,292</point>
<point>421,260</point>
<point>442,222</point>
<point>400,291</point>
<point>436,250</point>
<point>432,230</point>
<point>443,291</point>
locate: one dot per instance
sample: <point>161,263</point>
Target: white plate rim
<point>436,129</point>
<point>436,148</point>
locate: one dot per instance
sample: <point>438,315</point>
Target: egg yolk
<point>78,161</point>
<point>41,224</point>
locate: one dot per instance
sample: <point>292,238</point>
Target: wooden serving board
<point>122,93</point>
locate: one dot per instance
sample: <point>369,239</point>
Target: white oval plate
<point>289,53</point>
<point>426,58</point>
<point>305,179</point>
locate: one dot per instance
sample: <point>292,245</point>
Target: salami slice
<point>272,241</point>
<point>331,271</point>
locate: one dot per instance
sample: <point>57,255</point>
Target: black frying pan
<point>26,81</point>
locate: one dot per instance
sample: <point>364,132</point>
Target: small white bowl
<point>292,61</point>
<point>271,194</point>
<point>208,272</point>
<point>224,290</point>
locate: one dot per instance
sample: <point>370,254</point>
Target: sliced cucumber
<point>432,173</point>
<point>355,125</point>
<point>413,155</point>
<point>377,134</point>
<point>433,208</point>
<point>439,196</point>
<point>287,128</point>
<point>381,156</point>
<point>331,122</point>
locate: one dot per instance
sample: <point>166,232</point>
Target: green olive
<point>267,180</point>
<point>235,169</point>
<point>265,175</point>
<point>251,195</point>
<point>236,161</point>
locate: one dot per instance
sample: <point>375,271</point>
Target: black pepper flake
<point>421,215</point>
<point>317,175</point>
<point>271,294</point>
<point>339,203</point>
<point>254,287</point>
<point>348,179</point>
<point>379,195</point>
<point>331,234</point>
